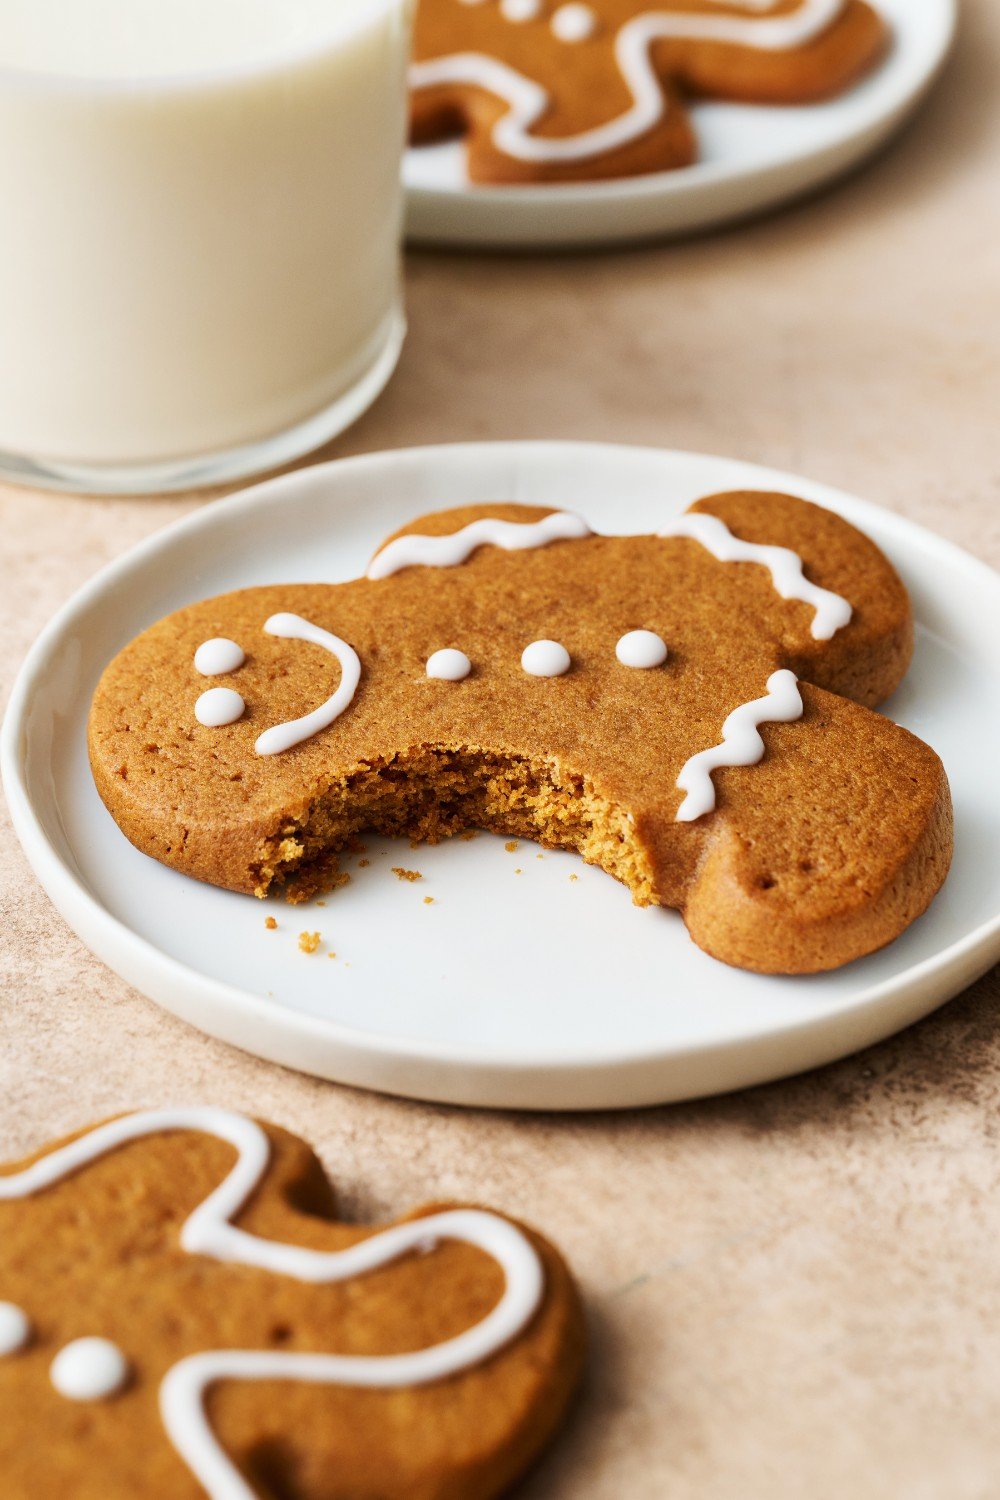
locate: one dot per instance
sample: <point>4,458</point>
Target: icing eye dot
<point>641,648</point>
<point>89,1370</point>
<point>15,1328</point>
<point>520,10</point>
<point>574,22</point>
<point>545,659</point>
<point>216,657</point>
<point>449,665</point>
<point>219,706</point>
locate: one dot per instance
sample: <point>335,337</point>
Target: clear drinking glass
<point>200,219</point>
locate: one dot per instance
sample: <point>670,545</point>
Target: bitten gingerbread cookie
<point>184,1316</point>
<point>564,90</point>
<point>691,711</point>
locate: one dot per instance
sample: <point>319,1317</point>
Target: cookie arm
<point>828,849</point>
<point>867,658</point>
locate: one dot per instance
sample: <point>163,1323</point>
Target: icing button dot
<point>574,22</point>
<point>448,665</point>
<point>219,706</point>
<point>218,656</point>
<point>89,1369</point>
<point>15,1328</point>
<point>545,659</point>
<point>520,11</point>
<point>641,648</point>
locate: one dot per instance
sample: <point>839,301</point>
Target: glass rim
<point>360,19</point>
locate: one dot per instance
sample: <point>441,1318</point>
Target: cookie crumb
<point>574,877</point>
<point>309,942</point>
<point>331,954</point>
<point>510,845</point>
<point>320,903</point>
<point>539,856</point>
<point>517,870</point>
<point>363,864</point>
<point>402,874</point>
<point>469,835</point>
<point>428,900</point>
<point>270,924</point>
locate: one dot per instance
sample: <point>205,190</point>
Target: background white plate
<point>752,158</point>
<point>510,990</point>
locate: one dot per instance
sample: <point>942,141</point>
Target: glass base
<point>207,469</point>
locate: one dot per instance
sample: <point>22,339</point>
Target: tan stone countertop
<point>794,1291</point>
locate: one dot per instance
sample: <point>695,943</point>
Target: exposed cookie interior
<point>431,793</point>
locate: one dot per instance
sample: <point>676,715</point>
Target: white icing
<point>527,101</point>
<point>15,1328</point>
<point>448,551</point>
<point>574,22</point>
<point>218,706</point>
<point>294,731</point>
<point>785,566</point>
<point>218,656</point>
<point>89,1370</point>
<point>641,648</point>
<point>449,665</point>
<point>520,11</point>
<point>209,1231</point>
<point>741,743</point>
<point>545,659</point>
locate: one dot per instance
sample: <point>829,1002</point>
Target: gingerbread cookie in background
<point>184,1316</point>
<point>692,711</point>
<point>577,90</point>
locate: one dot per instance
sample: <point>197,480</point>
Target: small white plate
<point>752,157</point>
<point>524,990</point>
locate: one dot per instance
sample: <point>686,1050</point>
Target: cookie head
<point>187,1317</point>
<point>691,710</point>
<point>564,90</point>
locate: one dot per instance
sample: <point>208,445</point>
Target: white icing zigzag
<point>741,743</point>
<point>527,101</point>
<point>209,1231</point>
<point>785,566</point>
<point>448,551</point>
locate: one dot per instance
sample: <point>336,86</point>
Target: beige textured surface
<point>794,1291</point>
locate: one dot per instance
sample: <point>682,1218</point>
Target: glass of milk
<point>200,217</point>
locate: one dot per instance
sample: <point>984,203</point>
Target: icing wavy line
<point>527,101</point>
<point>294,731</point>
<point>456,546</point>
<point>209,1231</point>
<point>741,744</point>
<point>831,610</point>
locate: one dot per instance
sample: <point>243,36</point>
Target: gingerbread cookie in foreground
<point>570,90</point>
<point>184,1316</point>
<point>692,711</point>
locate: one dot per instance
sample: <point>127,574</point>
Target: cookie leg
<point>446,112</point>
<point>828,848</point>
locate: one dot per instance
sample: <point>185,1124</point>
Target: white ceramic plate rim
<point>174,982</point>
<point>874,118</point>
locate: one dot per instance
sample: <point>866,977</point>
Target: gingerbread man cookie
<point>569,90</point>
<point>184,1316</point>
<point>692,711</point>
